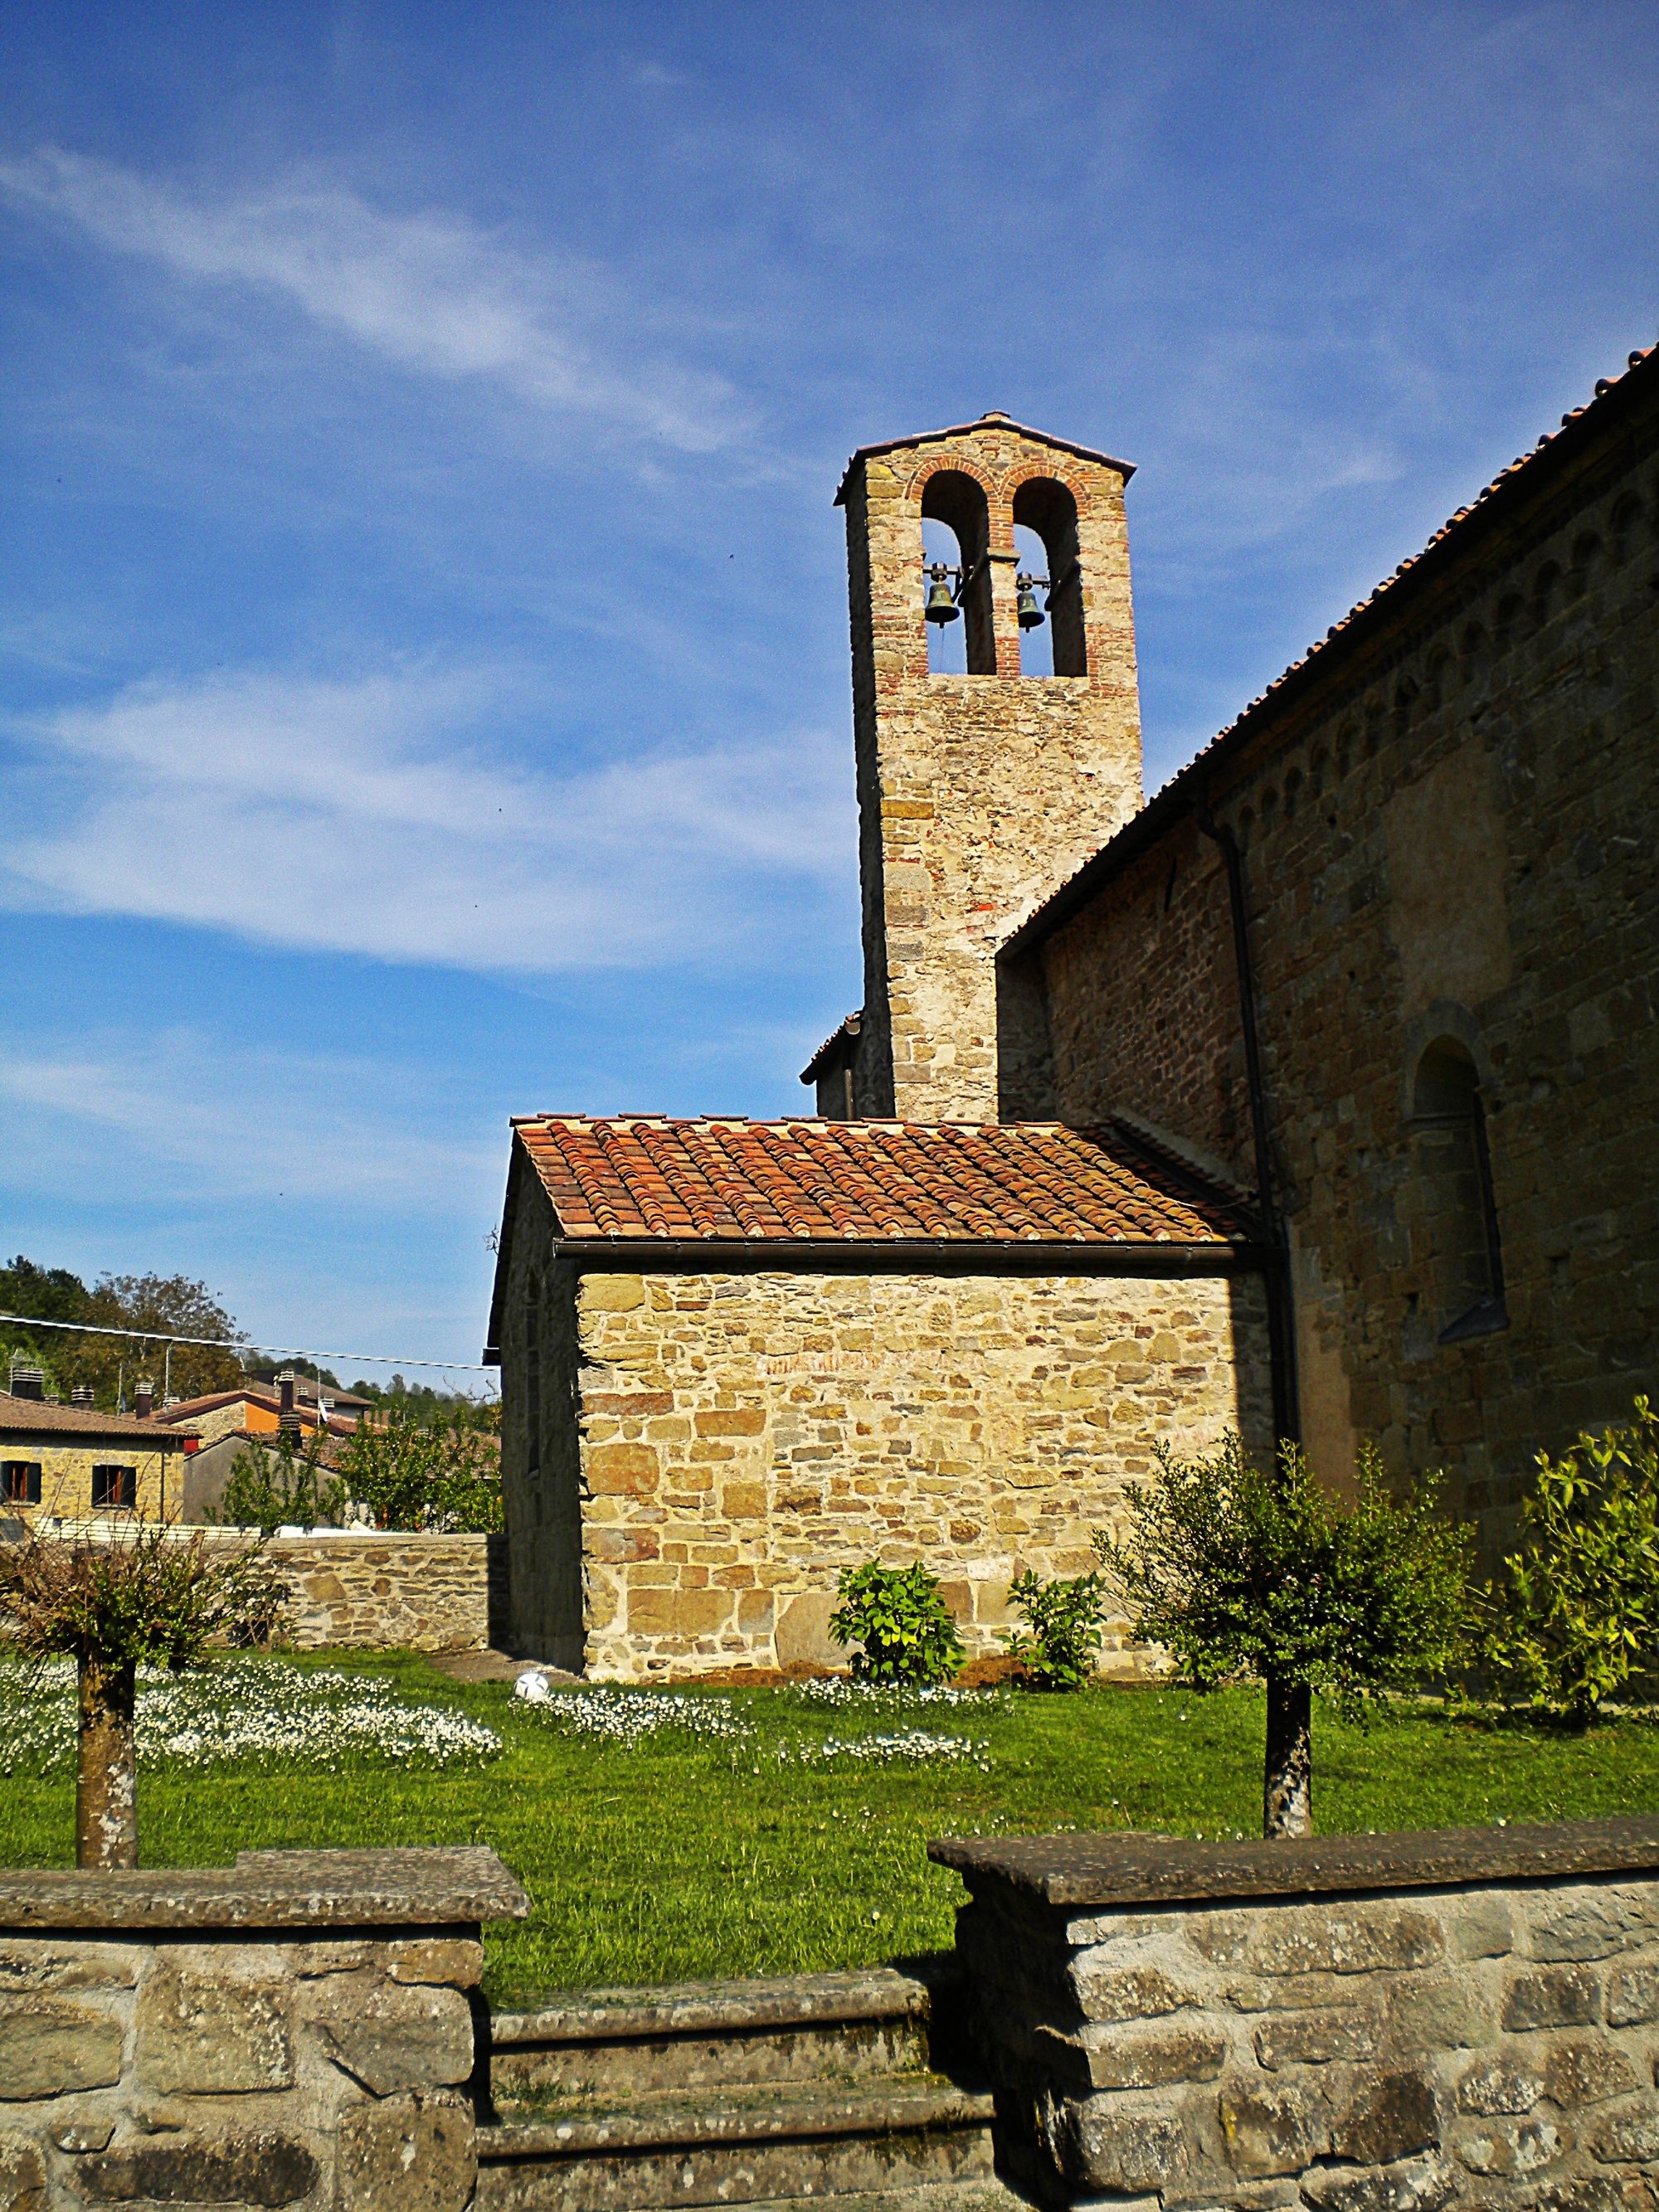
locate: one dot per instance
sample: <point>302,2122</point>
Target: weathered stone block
<point>1116,2061</point>
<point>1343,1940</point>
<point>1315,2037</point>
<point>1418,2185</point>
<point>732,1421</point>
<point>415,2153</point>
<point>1499,2085</point>
<point>620,1470</point>
<point>389,2038</point>
<point>1480,1925</point>
<point>1592,1924</point>
<point>1129,1992</point>
<point>1106,2148</point>
<point>82,2131</point>
<point>22,2176</point>
<point>1439,2012</point>
<point>1271,2131</point>
<point>1560,1996</point>
<point>1630,2137</point>
<point>1389,2118</point>
<point>211,2036</point>
<point>1511,2149</point>
<point>451,1959</point>
<point>1633,1995</point>
<point>1587,2070</point>
<point>262,2169</point>
<point>611,1293</point>
<point>41,1964</point>
<point>49,2045</point>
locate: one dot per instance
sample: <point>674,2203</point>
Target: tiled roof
<point>993,416</point>
<point>1167,803</point>
<point>837,1038</point>
<point>304,1403</point>
<point>32,1417</point>
<point>639,1177</point>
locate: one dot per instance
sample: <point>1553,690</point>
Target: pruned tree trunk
<point>106,1769</point>
<point>1287,1787</point>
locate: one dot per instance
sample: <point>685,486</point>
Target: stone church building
<point>1315,1097</point>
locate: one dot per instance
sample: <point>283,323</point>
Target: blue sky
<point>424,688</point>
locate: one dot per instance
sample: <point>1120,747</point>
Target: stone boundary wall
<point>297,2030</point>
<point>378,1589</point>
<point>1354,2024</point>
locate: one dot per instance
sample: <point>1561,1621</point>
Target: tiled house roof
<point>636,1178</point>
<point>21,1417</point>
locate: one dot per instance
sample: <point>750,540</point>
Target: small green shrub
<point>900,1617</point>
<point>441,1472</point>
<point>1063,1632</point>
<point>1577,1620</point>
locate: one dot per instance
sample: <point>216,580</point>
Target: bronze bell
<point>941,607</point>
<point>1025,605</point>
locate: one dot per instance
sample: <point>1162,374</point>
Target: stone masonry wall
<point>978,794</point>
<point>323,2064</point>
<point>1490,2043</point>
<point>1450,830</point>
<point>388,1590</point>
<point>744,1437</point>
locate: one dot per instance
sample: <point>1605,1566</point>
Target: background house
<point>70,1462</point>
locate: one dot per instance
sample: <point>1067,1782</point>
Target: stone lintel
<point>422,1888</point>
<point>1076,1870</point>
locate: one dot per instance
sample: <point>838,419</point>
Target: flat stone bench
<point>297,2029</point>
<point>1393,2023</point>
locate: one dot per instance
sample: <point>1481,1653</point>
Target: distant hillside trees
<point>172,1305</point>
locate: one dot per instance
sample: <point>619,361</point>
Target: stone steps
<point>765,2093</point>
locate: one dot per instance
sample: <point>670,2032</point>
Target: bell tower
<point>979,793</point>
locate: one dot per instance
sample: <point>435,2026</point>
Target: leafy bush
<point>441,1474</point>
<point>1062,1631</point>
<point>1267,1577</point>
<point>900,1617</point>
<point>1578,1619</point>
<point>270,1489</point>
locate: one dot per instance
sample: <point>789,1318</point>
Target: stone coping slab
<point>272,1890</point>
<point>702,2008</point>
<point>1139,1868</point>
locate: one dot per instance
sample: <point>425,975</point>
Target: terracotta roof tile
<point>641,1177</point>
<point>34,1417</point>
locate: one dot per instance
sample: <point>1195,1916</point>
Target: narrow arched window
<point>956,499</point>
<point>1048,509</point>
<point>1458,1242</point>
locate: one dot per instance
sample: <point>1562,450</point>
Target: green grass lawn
<point>680,1856</point>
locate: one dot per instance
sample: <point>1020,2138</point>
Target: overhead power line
<point>246,1345</point>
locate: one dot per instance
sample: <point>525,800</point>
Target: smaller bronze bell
<point>941,607</point>
<point>1026,605</point>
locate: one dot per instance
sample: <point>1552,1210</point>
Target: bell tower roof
<point>1126,469</point>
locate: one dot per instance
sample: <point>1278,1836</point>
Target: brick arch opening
<point>956,499</point>
<point>1047,508</point>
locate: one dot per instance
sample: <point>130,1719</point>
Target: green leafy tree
<point>274,1486</point>
<point>1061,1637</point>
<point>900,1617</point>
<point>1576,1620</point>
<point>147,1598</point>
<point>438,1473</point>
<point>168,1305</point>
<point>1247,1575</point>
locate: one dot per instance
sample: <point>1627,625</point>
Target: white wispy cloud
<point>179,1108</point>
<point>430,292</point>
<point>366,816</point>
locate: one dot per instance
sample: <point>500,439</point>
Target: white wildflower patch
<point>903,1748</point>
<point>263,1711</point>
<point>628,1716</point>
<point>841,1690</point>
